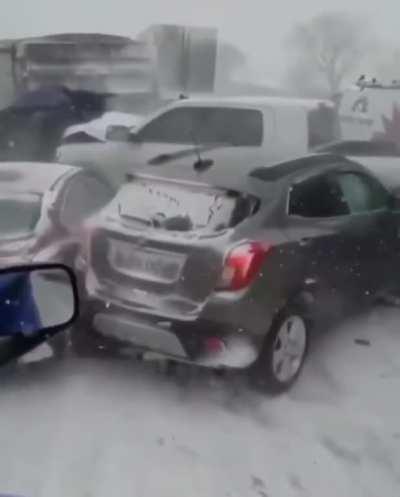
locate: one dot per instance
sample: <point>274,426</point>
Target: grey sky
<point>257,26</point>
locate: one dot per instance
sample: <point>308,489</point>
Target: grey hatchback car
<point>232,267</point>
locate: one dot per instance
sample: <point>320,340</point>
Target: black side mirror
<point>36,302</point>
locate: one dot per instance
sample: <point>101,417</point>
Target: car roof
<point>36,177</point>
<point>251,101</point>
<point>289,168</point>
<point>361,148</point>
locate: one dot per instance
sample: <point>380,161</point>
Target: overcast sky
<point>257,26</point>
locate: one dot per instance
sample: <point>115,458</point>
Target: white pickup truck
<point>256,129</point>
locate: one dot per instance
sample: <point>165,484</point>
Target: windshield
<point>19,214</point>
<point>222,180</point>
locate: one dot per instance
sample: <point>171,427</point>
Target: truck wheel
<point>283,353</point>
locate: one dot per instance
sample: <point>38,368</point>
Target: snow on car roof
<point>98,127</point>
<point>32,176</point>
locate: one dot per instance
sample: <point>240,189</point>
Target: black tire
<point>264,375</point>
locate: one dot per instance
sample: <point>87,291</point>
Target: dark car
<point>235,267</point>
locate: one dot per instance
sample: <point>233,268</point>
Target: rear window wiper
<point>180,154</point>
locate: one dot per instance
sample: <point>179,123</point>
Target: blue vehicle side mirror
<point>36,302</point>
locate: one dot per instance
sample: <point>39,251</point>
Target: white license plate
<point>150,264</point>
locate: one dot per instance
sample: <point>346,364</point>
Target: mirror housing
<point>36,302</point>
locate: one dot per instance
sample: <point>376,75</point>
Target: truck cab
<point>371,111</point>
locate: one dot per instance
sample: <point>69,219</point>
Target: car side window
<point>175,126</point>
<point>319,197</point>
<point>188,125</point>
<point>362,193</point>
<point>236,127</point>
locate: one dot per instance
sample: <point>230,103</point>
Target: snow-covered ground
<point>102,427</point>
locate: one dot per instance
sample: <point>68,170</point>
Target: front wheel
<point>283,353</point>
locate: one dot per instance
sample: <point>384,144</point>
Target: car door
<point>318,217</point>
<point>370,229</point>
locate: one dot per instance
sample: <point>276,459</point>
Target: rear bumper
<point>249,311</point>
<point>158,340</point>
<point>238,321</point>
<point>138,332</point>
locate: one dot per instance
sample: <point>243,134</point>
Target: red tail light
<point>241,266</point>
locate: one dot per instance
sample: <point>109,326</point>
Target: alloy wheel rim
<point>289,348</point>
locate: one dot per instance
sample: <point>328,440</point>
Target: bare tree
<point>329,46</point>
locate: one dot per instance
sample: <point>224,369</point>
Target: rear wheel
<point>283,354</point>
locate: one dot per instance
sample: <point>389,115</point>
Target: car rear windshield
<point>182,207</point>
<point>19,214</point>
<point>236,127</point>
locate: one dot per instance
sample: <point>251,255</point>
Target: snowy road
<point>100,428</point>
